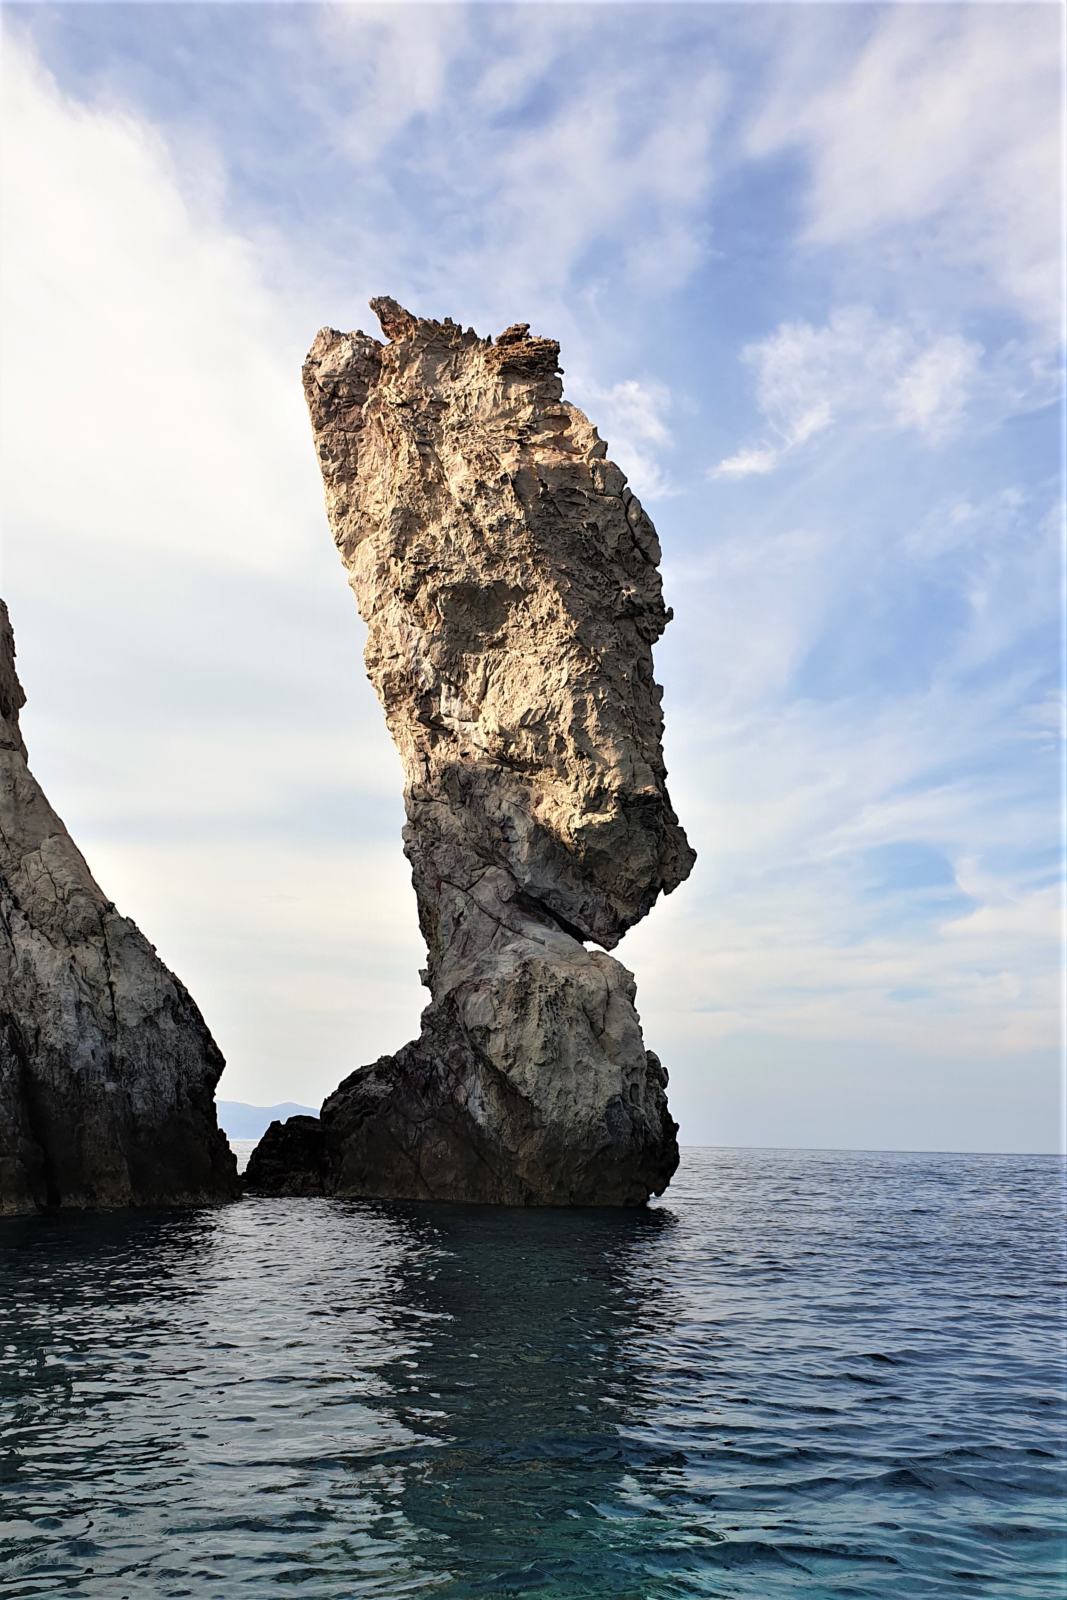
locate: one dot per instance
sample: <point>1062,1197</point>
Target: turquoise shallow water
<point>800,1373</point>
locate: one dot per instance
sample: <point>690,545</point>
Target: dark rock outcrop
<point>510,585</point>
<point>107,1069</point>
<point>291,1158</point>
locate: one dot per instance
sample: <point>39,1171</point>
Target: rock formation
<point>510,586</point>
<point>107,1070</point>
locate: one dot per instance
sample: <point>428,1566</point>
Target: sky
<point>804,265</point>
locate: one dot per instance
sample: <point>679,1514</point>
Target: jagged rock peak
<point>396,323</point>
<point>509,580</point>
<point>12,696</point>
<point>107,1070</point>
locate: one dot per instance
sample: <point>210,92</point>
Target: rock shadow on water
<point>374,1397</point>
<point>524,1374</point>
<point>386,1399</point>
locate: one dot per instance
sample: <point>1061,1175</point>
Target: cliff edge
<point>107,1069</point>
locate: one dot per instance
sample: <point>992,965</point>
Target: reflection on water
<point>816,1374</point>
<point>527,1375</point>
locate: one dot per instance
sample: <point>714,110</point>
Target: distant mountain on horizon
<point>240,1121</point>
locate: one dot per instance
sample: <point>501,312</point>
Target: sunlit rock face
<point>510,585</point>
<point>107,1070</point>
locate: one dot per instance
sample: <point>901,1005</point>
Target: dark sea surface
<point>799,1374</point>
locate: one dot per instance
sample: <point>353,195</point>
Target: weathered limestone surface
<point>510,585</point>
<point>107,1070</point>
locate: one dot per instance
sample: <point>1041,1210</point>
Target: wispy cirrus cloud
<point>536,145</point>
<point>868,889</point>
<point>856,369</point>
<point>933,146</point>
<point>877,868</point>
<point>633,416</point>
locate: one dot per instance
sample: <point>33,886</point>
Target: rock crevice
<point>510,584</point>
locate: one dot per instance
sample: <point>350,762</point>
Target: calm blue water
<point>799,1374</point>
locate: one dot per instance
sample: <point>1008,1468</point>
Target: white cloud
<point>147,394</point>
<point>395,63</point>
<point>936,146</point>
<point>549,140</point>
<point>197,711</point>
<point>611,168</point>
<point>303,956</point>
<point>754,461</point>
<point>1004,554</point>
<point>931,393</point>
<point>780,933</point>
<point>530,160</point>
<point>790,931</point>
<point>631,416</point>
<point>754,605</point>
<point>191,652</point>
<point>858,370</point>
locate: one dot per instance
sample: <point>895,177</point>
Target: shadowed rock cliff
<point>510,585</point>
<point>107,1070</point>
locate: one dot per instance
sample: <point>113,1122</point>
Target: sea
<point>799,1373</point>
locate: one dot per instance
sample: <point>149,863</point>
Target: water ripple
<point>819,1374</point>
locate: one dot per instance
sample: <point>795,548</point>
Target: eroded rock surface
<point>107,1070</point>
<point>510,585</point>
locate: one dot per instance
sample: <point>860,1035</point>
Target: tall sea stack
<point>107,1069</point>
<point>510,585</point>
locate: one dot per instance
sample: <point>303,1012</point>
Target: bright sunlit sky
<point>804,265</point>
